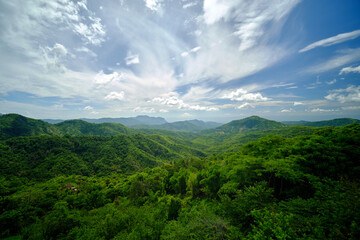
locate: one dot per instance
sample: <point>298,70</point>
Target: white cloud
<point>321,110</point>
<point>88,108</point>
<point>287,110</point>
<point>235,39</point>
<point>173,100</point>
<point>351,108</point>
<point>214,10</point>
<point>186,115</point>
<point>349,94</point>
<point>154,5</point>
<point>86,50</point>
<point>184,54</point>
<point>243,95</point>
<point>282,85</point>
<point>132,59</point>
<point>350,70</point>
<point>190,4</point>
<point>195,49</point>
<point>331,82</point>
<point>343,57</point>
<point>102,78</point>
<point>332,40</point>
<point>144,109</point>
<point>298,103</point>
<point>245,106</point>
<point>53,58</point>
<point>115,96</point>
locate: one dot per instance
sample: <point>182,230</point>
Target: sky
<point>214,60</point>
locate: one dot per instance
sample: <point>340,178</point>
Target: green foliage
<point>303,184</point>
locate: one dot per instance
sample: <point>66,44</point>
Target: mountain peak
<point>250,123</point>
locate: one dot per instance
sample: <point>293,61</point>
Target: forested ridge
<point>249,179</point>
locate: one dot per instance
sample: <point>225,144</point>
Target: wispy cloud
<point>235,45</point>
<point>132,59</point>
<point>332,40</point>
<point>342,58</point>
<point>350,70</point>
<point>320,110</point>
<point>190,4</point>
<point>349,94</point>
<point>331,82</point>
<point>88,108</point>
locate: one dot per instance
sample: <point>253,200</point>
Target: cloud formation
<point>115,96</point>
<point>132,59</point>
<point>350,70</point>
<point>332,40</point>
<point>349,94</point>
<point>243,95</point>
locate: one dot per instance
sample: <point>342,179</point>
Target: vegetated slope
<point>307,187</point>
<point>253,123</point>
<point>235,142</point>
<point>82,128</point>
<point>14,125</point>
<point>188,126</point>
<point>216,136</point>
<point>44,157</point>
<point>334,122</point>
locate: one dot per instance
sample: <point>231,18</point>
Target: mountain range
<point>14,125</point>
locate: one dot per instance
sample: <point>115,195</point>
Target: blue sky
<point>181,59</point>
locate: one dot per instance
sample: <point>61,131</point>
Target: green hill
<point>188,126</point>
<point>14,125</point>
<point>251,123</point>
<point>334,122</point>
<point>44,157</point>
<point>82,128</point>
<point>218,136</point>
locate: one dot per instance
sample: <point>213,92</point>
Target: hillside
<point>14,125</point>
<point>253,123</point>
<point>273,188</point>
<point>218,136</point>
<point>334,122</point>
<point>44,157</point>
<point>188,126</point>
<point>83,128</point>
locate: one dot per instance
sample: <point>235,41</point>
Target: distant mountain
<point>144,119</point>
<point>129,122</point>
<point>301,123</point>
<point>335,122</point>
<point>250,123</point>
<point>53,121</point>
<point>189,126</point>
<point>203,124</point>
<point>14,125</point>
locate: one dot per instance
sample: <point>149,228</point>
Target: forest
<point>249,179</point>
